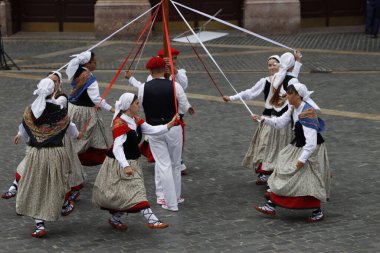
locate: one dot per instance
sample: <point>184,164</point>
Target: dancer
<point>266,141</point>
<point>301,178</point>
<point>44,186</point>
<point>93,147</point>
<point>158,101</point>
<point>77,175</point>
<point>181,78</point>
<point>119,186</point>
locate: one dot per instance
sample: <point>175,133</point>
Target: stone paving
<point>218,214</point>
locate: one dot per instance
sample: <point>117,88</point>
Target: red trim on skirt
<point>260,170</point>
<point>18,177</point>
<point>77,188</point>
<point>93,156</point>
<point>302,202</point>
<point>134,209</point>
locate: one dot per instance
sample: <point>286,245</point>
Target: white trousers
<point>167,150</point>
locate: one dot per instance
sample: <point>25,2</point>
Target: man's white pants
<point>167,150</point>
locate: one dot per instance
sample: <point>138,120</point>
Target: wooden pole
<point>165,44</point>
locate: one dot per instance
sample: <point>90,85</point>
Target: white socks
<point>13,187</point>
<point>116,217</point>
<point>149,216</point>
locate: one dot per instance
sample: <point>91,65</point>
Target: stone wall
<point>272,16</point>
<point>110,15</point>
<point>5,18</point>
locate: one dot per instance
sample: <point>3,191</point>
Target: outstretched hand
<point>297,55</point>
<point>128,74</point>
<point>257,118</point>
<point>191,111</point>
<point>226,98</point>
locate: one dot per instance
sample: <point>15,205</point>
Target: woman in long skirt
<point>77,175</point>
<point>267,141</point>
<point>44,187</point>
<point>301,179</point>
<point>119,186</point>
<point>84,97</point>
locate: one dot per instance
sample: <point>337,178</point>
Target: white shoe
<point>180,200</point>
<point>161,201</point>
<point>170,209</point>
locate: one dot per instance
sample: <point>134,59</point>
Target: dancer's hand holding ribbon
<point>174,121</point>
<point>257,118</point>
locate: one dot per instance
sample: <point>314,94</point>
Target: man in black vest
<point>158,98</point>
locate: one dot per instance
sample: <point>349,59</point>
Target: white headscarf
<point>305,94</point>
<point>123,104</point>
<point>276,57</point>
<point>45,88</point>
<point>59,76</point>
<point>287,60</point>
<point>79,59</point>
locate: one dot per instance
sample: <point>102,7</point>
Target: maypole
<point>165,43</point>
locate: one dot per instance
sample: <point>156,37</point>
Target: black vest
<point>158,102</point>
<point>131,145</point>
<point>267,112</point>
<point>285,83</point>
<point>52,114</point>
<point>299,140</point>
<point>84,100</point>
<point>268,85</point>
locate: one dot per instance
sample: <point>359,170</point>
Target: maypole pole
<point>165,43</point>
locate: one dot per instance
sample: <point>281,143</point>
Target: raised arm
<point>93,93</point>
<point>250,93</point>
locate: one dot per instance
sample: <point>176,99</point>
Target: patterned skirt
<point>265,145</point>
<point>115,191</point>
<point>92,148</point>
<point>44,183</point>
<point>311,180</point>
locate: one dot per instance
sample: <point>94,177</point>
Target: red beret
<point>155,63</point>
<point>174,52</point>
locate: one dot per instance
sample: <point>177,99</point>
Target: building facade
<point>105,16</point>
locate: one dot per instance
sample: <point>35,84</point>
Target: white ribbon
<point>79,59</point>
<point>123,104</point>
<point>212,58</point>
<point>45,88</point>
<point>305,94</point>
<point>117,31</point>
<point>232,25</point>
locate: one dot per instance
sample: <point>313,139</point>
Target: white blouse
<point>93,93</point>
<point>183,103</point>
<point>180,78</point>
<point>258,88</point>
<point>309,133</point>
<point>146,128</point>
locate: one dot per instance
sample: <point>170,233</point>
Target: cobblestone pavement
<point>218,215</point>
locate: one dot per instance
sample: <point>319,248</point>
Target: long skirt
<point>77,175</point>
<point>92,148</point>
<point>21,167</point>
<point>44,183</point>
<point>115,191</point>
<point>313,180</point>
<point>265,145</point>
